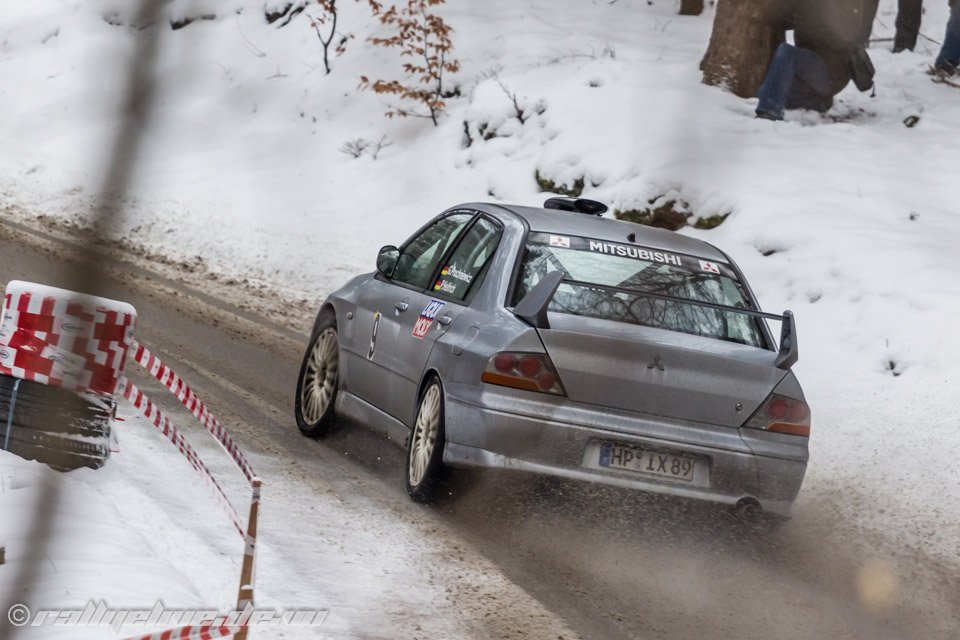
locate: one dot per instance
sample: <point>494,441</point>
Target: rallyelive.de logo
<point>99,614</point>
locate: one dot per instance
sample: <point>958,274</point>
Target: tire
<point>318,381</point>
<point>35,402</point>
<point>425,471</point>
<point>54,426</point>
<point>55,450</point>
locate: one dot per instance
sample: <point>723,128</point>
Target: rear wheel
<point>317,384</point>
<point>425,448</point>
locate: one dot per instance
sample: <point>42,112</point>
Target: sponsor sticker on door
<point>445,286</point>
<point>455,272</point>
<point>426,318</point>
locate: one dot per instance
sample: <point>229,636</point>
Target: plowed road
<point>607,564</point>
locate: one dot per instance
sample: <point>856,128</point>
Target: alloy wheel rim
<point>320,377</point>
<point>424,435</point>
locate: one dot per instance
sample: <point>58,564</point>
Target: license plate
<point>616,456</point>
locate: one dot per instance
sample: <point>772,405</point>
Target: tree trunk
<point>691,7</point>
<point>741,47</point>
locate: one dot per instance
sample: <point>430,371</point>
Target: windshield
<point>644,270</point>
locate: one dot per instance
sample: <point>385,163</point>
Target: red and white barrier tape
<point>146,406</point>
<point>185,395</point>
<point>79,342</point>
<point>190,633</point>
<point>190,400</point>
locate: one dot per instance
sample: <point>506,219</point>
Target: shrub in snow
<point>572,188</point>
<point>355,147</point>
<point>183,13</point>
<point>497,112</point>
<point>289,11</point>
<point>360,146</point>
<point>565,174</point>
<point>669,211</point>
<point>711,222</point>
<point>180,23</point>
<point>424,38</point>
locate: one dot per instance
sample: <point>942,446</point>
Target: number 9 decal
<point>373,338</point>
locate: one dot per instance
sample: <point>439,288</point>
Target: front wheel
<point>425,448</point>
<point>317,384</point>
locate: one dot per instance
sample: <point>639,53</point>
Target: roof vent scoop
<point>578,205</point>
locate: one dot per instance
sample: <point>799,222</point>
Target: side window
<point>422,254</point>
<point>466,266</point>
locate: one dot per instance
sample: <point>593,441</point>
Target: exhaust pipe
<point>748,510</point>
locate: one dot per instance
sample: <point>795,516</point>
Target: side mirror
<point>789,354</point>
<point>387,260</point>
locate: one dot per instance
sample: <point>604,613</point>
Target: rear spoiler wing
<point>533,310</point>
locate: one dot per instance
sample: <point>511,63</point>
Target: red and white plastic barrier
<point>64,339</point>
<point>81,343</point>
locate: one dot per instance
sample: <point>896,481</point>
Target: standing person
<point>829,35</point>
<point>908,24</point>
<point>949,58</point>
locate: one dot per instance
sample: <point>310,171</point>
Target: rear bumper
<point>507,429</point>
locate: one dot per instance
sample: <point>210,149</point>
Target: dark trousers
<point>908,24</point>
<point>950,53</point>
<point>797,79</point>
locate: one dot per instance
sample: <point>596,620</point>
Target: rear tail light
<point>528,371</point>
<point>782,415</point>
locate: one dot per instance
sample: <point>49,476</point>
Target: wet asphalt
<point>611,564</point>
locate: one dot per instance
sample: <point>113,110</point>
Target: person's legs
<point>949,58</point>
<point>908,24</point>
<point>804,96</point>
<point>813,69</point>
<point>776,85</point>
<point>811,88</point>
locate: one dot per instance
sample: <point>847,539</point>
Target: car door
<point>433,313</point>
<point>386,303</point>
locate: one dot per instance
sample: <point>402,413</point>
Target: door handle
<point>402,306</point>
<point>445,320</point>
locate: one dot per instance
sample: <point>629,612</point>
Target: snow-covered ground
<point>145,529</point>
<point>851,220</point>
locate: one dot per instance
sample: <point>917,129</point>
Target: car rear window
<point>635,268</point>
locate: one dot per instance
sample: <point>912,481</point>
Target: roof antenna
<point>578,205</point>
<point>632,237</point>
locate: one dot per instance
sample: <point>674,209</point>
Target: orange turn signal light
<point>792,429</point>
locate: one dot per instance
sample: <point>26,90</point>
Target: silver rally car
<point>556,341</point>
